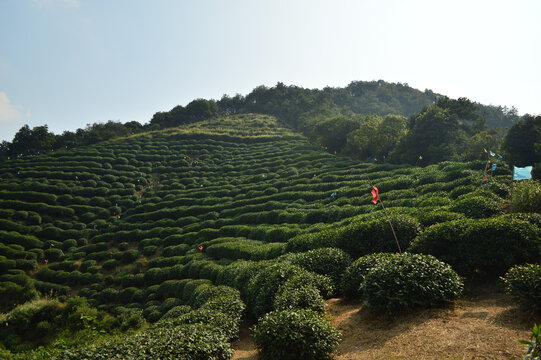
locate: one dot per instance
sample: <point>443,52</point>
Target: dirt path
<point>485,325</point>
<point>244,347</point>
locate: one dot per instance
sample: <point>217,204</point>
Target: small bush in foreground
<point>409,280</point>
<point>355,273</point>
<point>534,344</point>
<point>295,334</point>
<point>524,285</point>
<point>306,297</point>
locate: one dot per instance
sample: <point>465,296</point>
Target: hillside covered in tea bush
<point>160,243</point>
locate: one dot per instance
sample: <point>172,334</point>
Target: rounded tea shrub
<point>306,297</point>
<point>477,207</point>
<point>409,280</point>
<point>263,286</point>
<point>325,261</point>
<point>524,285</point>
<point>355,273</point>
<point>295,334</point>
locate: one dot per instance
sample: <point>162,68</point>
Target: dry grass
<point>483,325</point>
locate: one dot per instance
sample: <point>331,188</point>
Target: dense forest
<point>159,241</point>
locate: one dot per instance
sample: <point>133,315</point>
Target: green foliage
<point>291,297</point>
<point>534,344</point>
<point>189,341</point>
<point>331,132</point>
<point>437,216</point>
<point>15,289</point>
<point>40,320</point>
<point>242,187</point>
<point>490,246</point>
<point>433,134</point>
<point>526,196</point>
<point>523,282</point>
<point>331,262</point>
<point>409,280</point>
<point>263,287</point>
<point>376,235</point>
<point>131,320</point>
<point>361,237</point>
<point>245,249</point>
<point>176,312</point>
<point>522,142</point>
<point>295,334</point>
<point>376,137</point>
<point>354,274</point>
<point>476,206</point>
<point>27,241</point>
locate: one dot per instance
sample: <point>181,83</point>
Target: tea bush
<point>427,218</point>
<point>188,341</point>
<point>523,282</point>
<point>409,280</point>
<point>291,297</point>
<point>263,287</point>
<point>331,262</point>
<point>376,235</point>
<point>295,334</point>
<point>476,206</point>
<point>490,246</point>
<point>354,274</point>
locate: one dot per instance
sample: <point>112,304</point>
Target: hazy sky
<point>68,63</point>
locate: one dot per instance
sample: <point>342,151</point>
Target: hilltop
<point>308,111</point>
<point>181,231</point>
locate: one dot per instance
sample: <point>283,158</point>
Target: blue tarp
<point>524,173</point>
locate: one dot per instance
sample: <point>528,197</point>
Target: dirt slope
<point>483,325</point>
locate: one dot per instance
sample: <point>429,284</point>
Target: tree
<point>364,141</point>
<point>433,134</point>
<point>30,141</point>
<point>133,126</point>
<point>332,132</point>
<point>161,119</point>
<point>231,105</point>
<point>523,142</point>
<point>377,137</point>
<point>473,148</point>
<point>201,109</point>
<point>466,111</point>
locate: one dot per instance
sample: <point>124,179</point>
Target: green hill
<point>163,224</point>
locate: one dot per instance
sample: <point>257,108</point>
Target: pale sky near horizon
<point>68,63</point>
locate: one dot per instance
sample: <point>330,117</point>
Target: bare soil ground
<point>485,324</point>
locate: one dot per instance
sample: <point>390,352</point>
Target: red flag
<point>375,194</point>
<point>201,248</point>
<point>485,177</point>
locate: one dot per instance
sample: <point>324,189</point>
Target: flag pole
<point>390,223</point>
<point>375,193</point>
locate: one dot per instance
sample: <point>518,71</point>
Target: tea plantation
<point>158,245</point>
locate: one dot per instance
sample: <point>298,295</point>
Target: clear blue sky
<point>68,63</point>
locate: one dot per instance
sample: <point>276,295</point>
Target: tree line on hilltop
<point>371,121</point>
